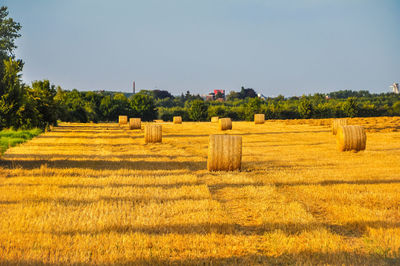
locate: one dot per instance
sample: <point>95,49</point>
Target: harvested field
<point>97,194</point>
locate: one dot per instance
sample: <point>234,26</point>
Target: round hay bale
<point>177,120</point>
<point>259,118</point>
<point>123,119</point>
<point>351,138</point>
<point>224,153</point>
<point>214,119</point>
<point>225,123</point>
<point>338,122</point>
<point>135,123</point>
<point>153,133</point>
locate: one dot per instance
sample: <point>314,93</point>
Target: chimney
<point>134,87</point>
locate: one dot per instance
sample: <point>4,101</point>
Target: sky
<point>288,47</point>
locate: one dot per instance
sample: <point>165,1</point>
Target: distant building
<point>395,88</point>
<point>134,87</point>
<point>261,96</point>
<point>210,97</point>
<point>221,92</point>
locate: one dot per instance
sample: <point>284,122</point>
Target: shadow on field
<point>166,135</point>
<point>80,202</point>
<point>305,257</point>
<point>79,144</point>
<point>55,137</point>
<point>51,156</point>
<point>104,164</point>
<point>127,185</point>
<point>281,132</point>
<point>338,182</point>
<point>355,229</point>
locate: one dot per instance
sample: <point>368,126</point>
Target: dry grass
<point>95,194</point>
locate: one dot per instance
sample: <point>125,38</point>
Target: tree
<point>143,106</point>
<point>219,95</point>
<point>305,108</point>
<point>44,94</point>
<point>8,33</point>
<point>247,93</point>
<point>12,94</point>
<point>161,94</point>
<point>253,107</point>
<point>396,108</point>
<point>350,107</point>
<point>197,110</point>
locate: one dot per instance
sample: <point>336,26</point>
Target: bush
<point>197,110</point>
<point>167,114</point>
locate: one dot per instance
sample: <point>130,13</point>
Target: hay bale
<point>224,153</point>
<point>177,120</point>
<point>123,119</point>
<point>259,118</point>
<point>214,119</point>
<point>338,122</point>
<point>225,123</point>
<point>351,138</point>
<point>153,133</point>
<point>135,123</point>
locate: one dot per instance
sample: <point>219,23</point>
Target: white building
<point>395,88</point>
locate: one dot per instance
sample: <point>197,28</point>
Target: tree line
<point>42,104</point>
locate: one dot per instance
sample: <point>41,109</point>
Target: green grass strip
<point>10,138</point>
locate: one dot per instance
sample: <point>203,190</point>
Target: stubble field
<point>96,194</point>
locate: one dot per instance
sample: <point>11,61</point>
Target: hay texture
<point>225,123</point>
<point>177,120</point>
<point>351,138</point>
<point>135,123</point>
<point>214,119</point>
<point>224,153</point>
<point>123,119</point>
<point>259,118</point>
<point>153,133</point>
<point>337,123</point>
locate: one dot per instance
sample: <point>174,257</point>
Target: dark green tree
<point>197,110</point>
<point>43,94</point>
<point>350,108</point>
<point>305,108</point>
<point>253,106</point>
<point>143,106</point>
<point>12,95</point>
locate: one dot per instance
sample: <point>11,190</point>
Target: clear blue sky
<point>289,47</point>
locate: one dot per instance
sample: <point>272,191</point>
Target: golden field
<point>96,194</point>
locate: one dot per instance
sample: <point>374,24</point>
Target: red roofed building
<point>221,92</point>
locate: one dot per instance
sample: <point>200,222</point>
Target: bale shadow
<point>103,164</point>
<point>307,257</point>
<point>353,229</point>
<point>338,182</point>
<point>16,156</point>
